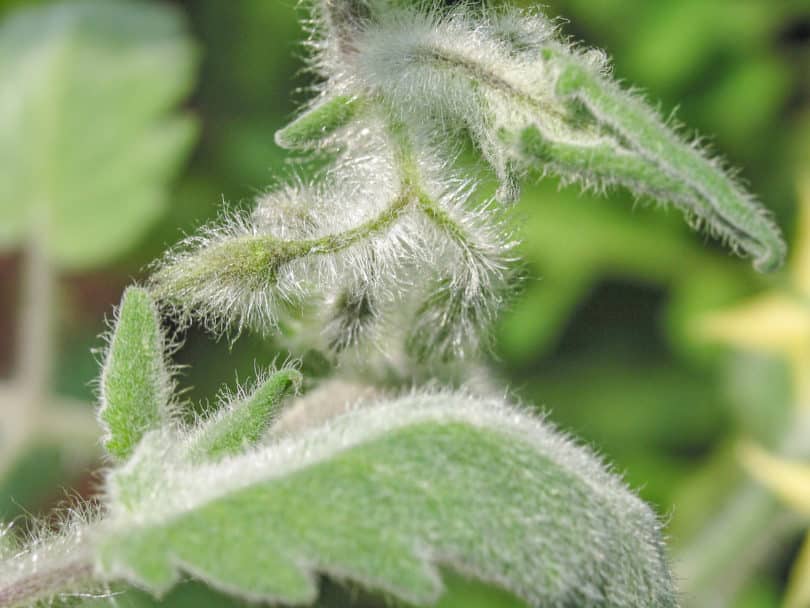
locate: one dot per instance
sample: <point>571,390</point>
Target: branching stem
<point>412,180</point>
<point>412,192</point>
<point>335,243</point>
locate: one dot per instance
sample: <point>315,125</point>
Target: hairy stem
<point>476,72</point>
<point>252,261</point>
<point>335,243</point>
<point>46,583</point>
<point>55,563</point>
<point>442,220</point>
<point>412,180</point>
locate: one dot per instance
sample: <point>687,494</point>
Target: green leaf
<point>88,138</point>
<point>603,162</point>
<point>320,121</point>
<point>243,423</point>
<point>530,100</point>
<point>678,169</point>
<point>136,386</point>
<point>383,496</point>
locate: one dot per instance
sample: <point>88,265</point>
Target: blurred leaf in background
<point>90,139</point>
<point>776,323</point>
<point>791,482</point>
<point>89,136</point>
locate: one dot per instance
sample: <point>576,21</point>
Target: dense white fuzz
<point>426,480</point>
<point>49,560</point>
<point>373,239</point>
<point>198,281</point>
<point>486,73</point>
<point>390,235</point>
<point>499,74</point>
<point>388,248</point>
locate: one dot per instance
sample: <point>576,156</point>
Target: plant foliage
<point>398,247</point>
<point>89,88</point>
<point>393,235</point>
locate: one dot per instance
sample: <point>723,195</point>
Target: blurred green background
<point>615,332</point>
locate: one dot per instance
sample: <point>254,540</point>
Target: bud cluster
<point>393,239</point>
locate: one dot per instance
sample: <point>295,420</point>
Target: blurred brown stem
<point>44,584</point>
<point>24,400</point>
<point>35,335</point>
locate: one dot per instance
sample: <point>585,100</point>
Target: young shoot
<point>395,234</point>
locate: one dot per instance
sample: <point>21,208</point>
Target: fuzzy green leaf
<point>88,141</point>
<point>136,385</point>
<point>320,121</point>
<point>243,423</point>
<point>532,101</point>
<point>710,194</point>
<point>603,162</point>
<point>384,495</point>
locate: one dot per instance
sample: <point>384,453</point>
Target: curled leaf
<point>601,162</point>
<point>531,101</point>
<point>715,198</point>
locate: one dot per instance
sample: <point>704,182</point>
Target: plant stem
<point>30,387</point>
<point>45,584</point>
<point>335,243</point>
<point>35,337</point>
<point>478,73</point>
<point>412,181</point>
